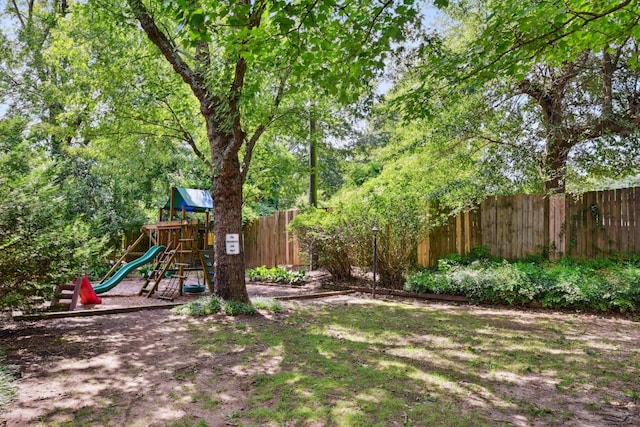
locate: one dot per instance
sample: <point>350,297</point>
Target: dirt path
<point>128,367</point>
<point>68,364</point>
<point>132,365</point>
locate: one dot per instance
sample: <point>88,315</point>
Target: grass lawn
<point>345,361</point>
<point>391,363</point>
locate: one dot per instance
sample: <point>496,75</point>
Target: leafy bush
<point>43,243</point>
<point>478,253</point>
<point>268,304</point>
<point>343,237</point>
<point>624,289</point>
<point>144,271</point>
<point>276,275</point>
<point>7,383</point>
<point>237,308</point>
<point>212,304</point>
<point>400,217</point>
<point>328,237</point>
<point>567,284</point>
<point>200,307</point>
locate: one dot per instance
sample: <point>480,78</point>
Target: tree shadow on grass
<point>119,369</point>
<point>373,363</point>
<point>378,363</point>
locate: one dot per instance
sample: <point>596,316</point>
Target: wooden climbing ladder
<point>176,260</point>
<point>160,267</point>
<point>65,297</point>
<point>176,282</point>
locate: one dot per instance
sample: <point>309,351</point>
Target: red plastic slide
<point>87,294</point>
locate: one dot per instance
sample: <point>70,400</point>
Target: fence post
<point>555,220</point>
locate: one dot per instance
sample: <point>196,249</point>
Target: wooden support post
<point>172,203</point>
<point>117,264</point>
<point>205,244</point>
<point>556,228</point>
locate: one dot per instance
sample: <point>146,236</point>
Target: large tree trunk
<point>550,98</point>
<point>313,162</point>
<point>227,219</point>
<point>555,164</point>
<point>225,135</point>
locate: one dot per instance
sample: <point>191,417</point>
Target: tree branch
<point>18,14</point>
<point>263,126</point>
<point>255,18</point>
<point>552,36</point>
<point>375,18</point>
<point>188,138</point>
<point>592,15</point>
<point>195,81</point>
<point>623,126</point>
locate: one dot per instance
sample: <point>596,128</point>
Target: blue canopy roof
<point>192,199</point>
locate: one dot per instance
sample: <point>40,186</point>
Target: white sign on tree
<point>233,244</point>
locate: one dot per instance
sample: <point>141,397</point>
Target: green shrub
<point>211,304</point>
<point>400,218</point>
<point>343,237</point>
<point>501,283</point>
<point>144,271</point>
<point>237,308</point>
<point>44,240</point>
<point>326,237</point>
<point>7,383</point>
<point>478,253</point>
<point>200,307</point>
<point>624,291</point>
<point>595,285</point>
<point>575,285</point>
<point>428,282</point>
<point>269,304</point>
<point>276,275</point>
<point>41,246</point>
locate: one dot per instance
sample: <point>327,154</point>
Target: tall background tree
<point>96,149</point>
<point>564,75</point>
<point>243,60</point>
<point>508,97</point>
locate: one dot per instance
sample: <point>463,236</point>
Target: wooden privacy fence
<point>268,241</point>
<point>594,224</point>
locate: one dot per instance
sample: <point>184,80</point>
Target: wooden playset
<point>186,239</point>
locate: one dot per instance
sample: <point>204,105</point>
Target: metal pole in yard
<point>375,259</point>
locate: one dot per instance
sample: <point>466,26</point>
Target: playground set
<point>179,243</point>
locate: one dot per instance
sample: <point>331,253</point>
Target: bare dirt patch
<point>129,366</point>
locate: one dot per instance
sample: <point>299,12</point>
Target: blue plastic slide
<point>128,268</point>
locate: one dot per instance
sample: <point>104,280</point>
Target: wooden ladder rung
<point>66,300</point>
